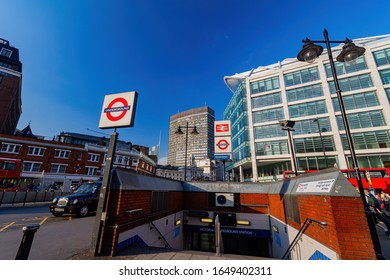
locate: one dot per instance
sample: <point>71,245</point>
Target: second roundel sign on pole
<point>222,145</point>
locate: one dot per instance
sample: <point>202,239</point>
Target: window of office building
<point>362,120</point>
<point>266,100</point>
<point>240,124</point>
<point>62,154</point>
<point>91,170</point>
<point>10,148</point>
<point>36,151</point>
<point>265,85</point>
<point>269,148</point>
<point>307,109</point>
<point>268,115</point>
<point>388,94</point>
<point>241,152</point>
<point>310,126</point>
<point>273,169</point>
<point>314,144</point>
<point>315,163</point>
<point>382,57</point>
<point>368,140</point>
<point>269,131</point>
<point>6,52</point>
<point>371,161</point>
<point>357,101</point>
<point>301,77</point>
<point>385,75</point>
<point>237,140</point>
<point>93,157</point>
<point>58,168</point>
<point>352,83</point>
<point>346,68</point>
<point>31,166</point>
<point>304,93</point>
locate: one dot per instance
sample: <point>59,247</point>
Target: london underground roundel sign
<point>118,110</point>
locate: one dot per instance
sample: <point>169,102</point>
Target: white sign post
<point>118,111</point>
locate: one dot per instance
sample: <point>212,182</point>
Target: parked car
<point>82,202</point>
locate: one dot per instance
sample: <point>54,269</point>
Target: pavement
<point>153,253</point>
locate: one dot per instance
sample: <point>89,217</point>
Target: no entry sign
<point>118,110</point>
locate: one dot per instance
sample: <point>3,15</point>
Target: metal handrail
<point>141,211</point>
<point>301,231</point>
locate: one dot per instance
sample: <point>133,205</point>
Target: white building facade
<point>305,93</point>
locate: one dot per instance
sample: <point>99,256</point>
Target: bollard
<point>25,246</point>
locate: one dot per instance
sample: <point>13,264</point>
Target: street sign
<point>222,128</point>
<point>118,110</point>
<point>226,157</point>
<point>222,145</point>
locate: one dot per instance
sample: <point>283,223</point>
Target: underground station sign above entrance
<point>118,110</point>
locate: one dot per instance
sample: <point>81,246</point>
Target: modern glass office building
<point>305,93</point>
<point>199,146</point>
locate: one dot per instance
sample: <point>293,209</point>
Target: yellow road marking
<point>7,226</point>
<point>44,220</point>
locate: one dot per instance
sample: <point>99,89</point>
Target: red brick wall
<point>352,228</point>
<point>196,200</point>
<point>254,203</point>
<point>346,232</point>
<point>276,208</point>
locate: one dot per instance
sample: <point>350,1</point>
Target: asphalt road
<point>58,238</point>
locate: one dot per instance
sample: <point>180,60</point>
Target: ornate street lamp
<point>349,54</point>
<point>193,132</point>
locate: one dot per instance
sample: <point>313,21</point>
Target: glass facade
<point>237,113</point>
<point>306,94</point>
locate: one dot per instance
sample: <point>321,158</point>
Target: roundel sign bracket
<point>118,110</point>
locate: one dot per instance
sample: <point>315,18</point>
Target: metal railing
<point>301,231</point>
<point>21,198</point>
<point>146,216</point>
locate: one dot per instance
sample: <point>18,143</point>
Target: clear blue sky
<point>175,53</point>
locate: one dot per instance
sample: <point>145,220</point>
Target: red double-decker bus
<point>376,178</point>
<point>9,174</point>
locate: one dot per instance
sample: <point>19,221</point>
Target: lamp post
<point>193,132</point>
<point>288,125</point>
<point>322,141</point>
<point>349,54</point>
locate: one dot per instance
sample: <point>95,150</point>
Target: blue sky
<point>175,53</point>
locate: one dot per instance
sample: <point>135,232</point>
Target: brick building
<point>47,163</point>
<point>10,87</point>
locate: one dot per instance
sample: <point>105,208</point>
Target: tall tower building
<point>199,146</point>
<point>10,87</point>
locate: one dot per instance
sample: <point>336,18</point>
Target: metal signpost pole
<point>101,213</point>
